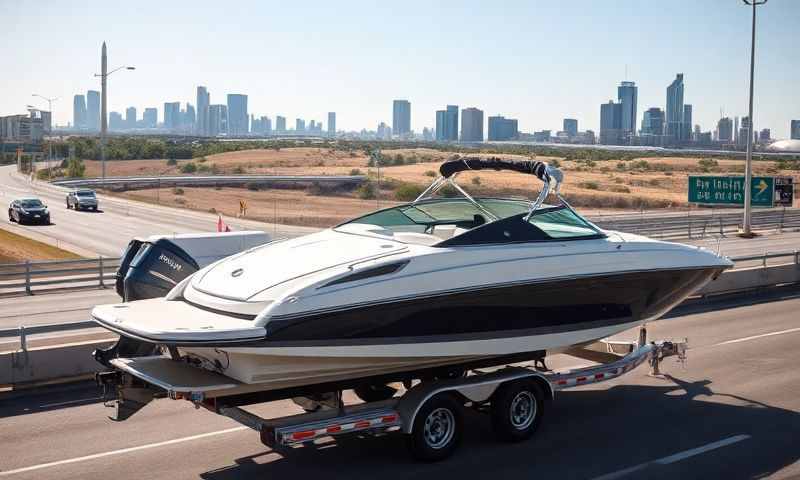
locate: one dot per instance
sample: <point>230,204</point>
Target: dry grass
<point>15,248</point>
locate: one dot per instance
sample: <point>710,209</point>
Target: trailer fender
<point>478,388</point>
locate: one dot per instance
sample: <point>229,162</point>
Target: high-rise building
<point>172,115</point>
<point>611,123</point>
<point>280,124</point>
<point>331,124</point>
<point>401,118</point>
<point>653,122</point>
<point>471,125</point>
<point>130,117</point>
<point>93,110</point>
<point>674,127</point>
<point>115,121</point>
<point>203,101</point>
<point>299,126</point>
<point>217,120</point>
<point>744,131</point>
<point>725,130</point>
<point>79,112</point>
<point>627,95</point>
<point>237,114</point>
<point>150,118</point>
<point>794,129</point>
<point>686,126</point>
<point>764,136</point>
<point>189,118</point>
<point>447,124</point>
<point>384,131</point>
<point>501,128</point>
<point>571,127</point>
<point>47,120</point>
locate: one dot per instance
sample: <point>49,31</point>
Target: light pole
<point>104,73</point>
<point>52,120</point>
<point>748,169</point>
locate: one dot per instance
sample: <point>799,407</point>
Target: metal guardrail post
<point>764,261</point>
<point>23,340</point>
<point>28,277</point>
<point>100,271</point>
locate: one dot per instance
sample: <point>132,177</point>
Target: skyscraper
<point>447,124</point>
<point>794,130</point>
<point>217,120</point>
<point>189,118</point>
<point>130,117</point>
<point>172,112</point>
<point>280,124</point>
<point>626,94</point>
<point>401,118</point>
<point>299,126</point>
<point>203,100</point>
<point>611,123</point>
<point>115,121</point>
<point>571,127</point>
<point>675,108</point>
<point>150,117</point>
<point>93,110</point>
<point>331,124</point>
<point>471,125</point>
<point>744,131</point>
<point>79,112</point>
<point>237,114</point>
<point>686,126</point>
<point>725,130</point>
<point>653,122</point>
<point>440,125</point>
<point>501,128</point>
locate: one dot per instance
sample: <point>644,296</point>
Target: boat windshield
<point>458,221</point>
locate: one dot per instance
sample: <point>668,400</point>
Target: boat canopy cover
<point>532,167</point>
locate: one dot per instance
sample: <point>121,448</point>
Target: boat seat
<point>416,238</point>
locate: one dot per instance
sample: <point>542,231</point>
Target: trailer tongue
<point>428,413</point>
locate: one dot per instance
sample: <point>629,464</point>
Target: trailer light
<point>334,429</point>
<point>389,419</point>
<point>303,435</point>
<point>362,424</point>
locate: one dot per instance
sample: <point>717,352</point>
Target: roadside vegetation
<point>16,248</point>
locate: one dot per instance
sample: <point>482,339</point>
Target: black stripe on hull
<point>500,312</point>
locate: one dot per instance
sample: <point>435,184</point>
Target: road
<point>732,412</point>
<point>108,233</point>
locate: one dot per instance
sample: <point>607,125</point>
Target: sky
<point>532,60</point>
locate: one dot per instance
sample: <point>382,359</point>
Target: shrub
<point>408,192</point>
<point>430,173</point>
<point>589,185</point>
<point>621,166</point>
<point>399,159</point>
<point>201,160</point>
<point>75,168</point>
<point>203,168</point>
<point>654,182</point>
<point>620,189</point>
<point>367,191</point>
<point>476,180</point>
<point>171,162</point>
<point>355,171</point>
<point>706,164</point>
<point>180,201</point>
<point>212,210</point>
<point>605,169</point>
<point>188,168</point>
<point>555,163</point>
<point>177,191</point>
<point>239,170</point>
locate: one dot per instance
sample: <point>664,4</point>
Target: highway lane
<point>52,308</point>
<point>107,233</point>
<point>732,412</point>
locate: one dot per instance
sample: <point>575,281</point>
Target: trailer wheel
<point>517,410</point>
<point>375,393</point>
<point>437,429</point>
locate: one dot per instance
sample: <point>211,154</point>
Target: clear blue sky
<point>532,60</point>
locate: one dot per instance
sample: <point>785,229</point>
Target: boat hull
<point>452,328</point>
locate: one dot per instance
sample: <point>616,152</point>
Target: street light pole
<point>104,73</point>
<point>52,117</point>
<point>748,170</point>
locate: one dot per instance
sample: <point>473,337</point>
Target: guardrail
<point>204,180</point>
<point>39,276</point>
<point>700,225</point>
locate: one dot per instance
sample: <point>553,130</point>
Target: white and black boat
<point>433,283</point>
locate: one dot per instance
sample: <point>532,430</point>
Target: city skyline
<point>538,89</point>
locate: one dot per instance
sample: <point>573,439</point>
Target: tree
<point>75,168</point>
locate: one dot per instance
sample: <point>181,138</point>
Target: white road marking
<point>754,337</point>
<point>674,458</point>
<point>119,452</point>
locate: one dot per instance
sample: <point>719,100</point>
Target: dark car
<point>28,210</point>
<point>82,200</point>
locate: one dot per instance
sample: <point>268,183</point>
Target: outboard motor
<point>155,269</point>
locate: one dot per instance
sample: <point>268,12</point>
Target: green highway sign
<point>713,190</point>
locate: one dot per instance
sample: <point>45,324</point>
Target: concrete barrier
<point>752,278</point>
<point>42,364</point>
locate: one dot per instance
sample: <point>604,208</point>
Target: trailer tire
<point>375,393</point>
<point>517,410</point>
<point>437,428</point>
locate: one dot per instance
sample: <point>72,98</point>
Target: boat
<point>433,285</point>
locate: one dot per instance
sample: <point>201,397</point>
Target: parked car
<point>28,210</point>
<point>82,200</point>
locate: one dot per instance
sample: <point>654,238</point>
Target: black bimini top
<point>531,167</point>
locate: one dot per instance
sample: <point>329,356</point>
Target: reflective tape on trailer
<point>585,376</point>
<point>300,436</point>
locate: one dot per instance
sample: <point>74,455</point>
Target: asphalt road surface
<point>108,232</point>
<point>731,412</point>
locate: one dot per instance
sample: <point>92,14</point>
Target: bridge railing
<point>40,276</point>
